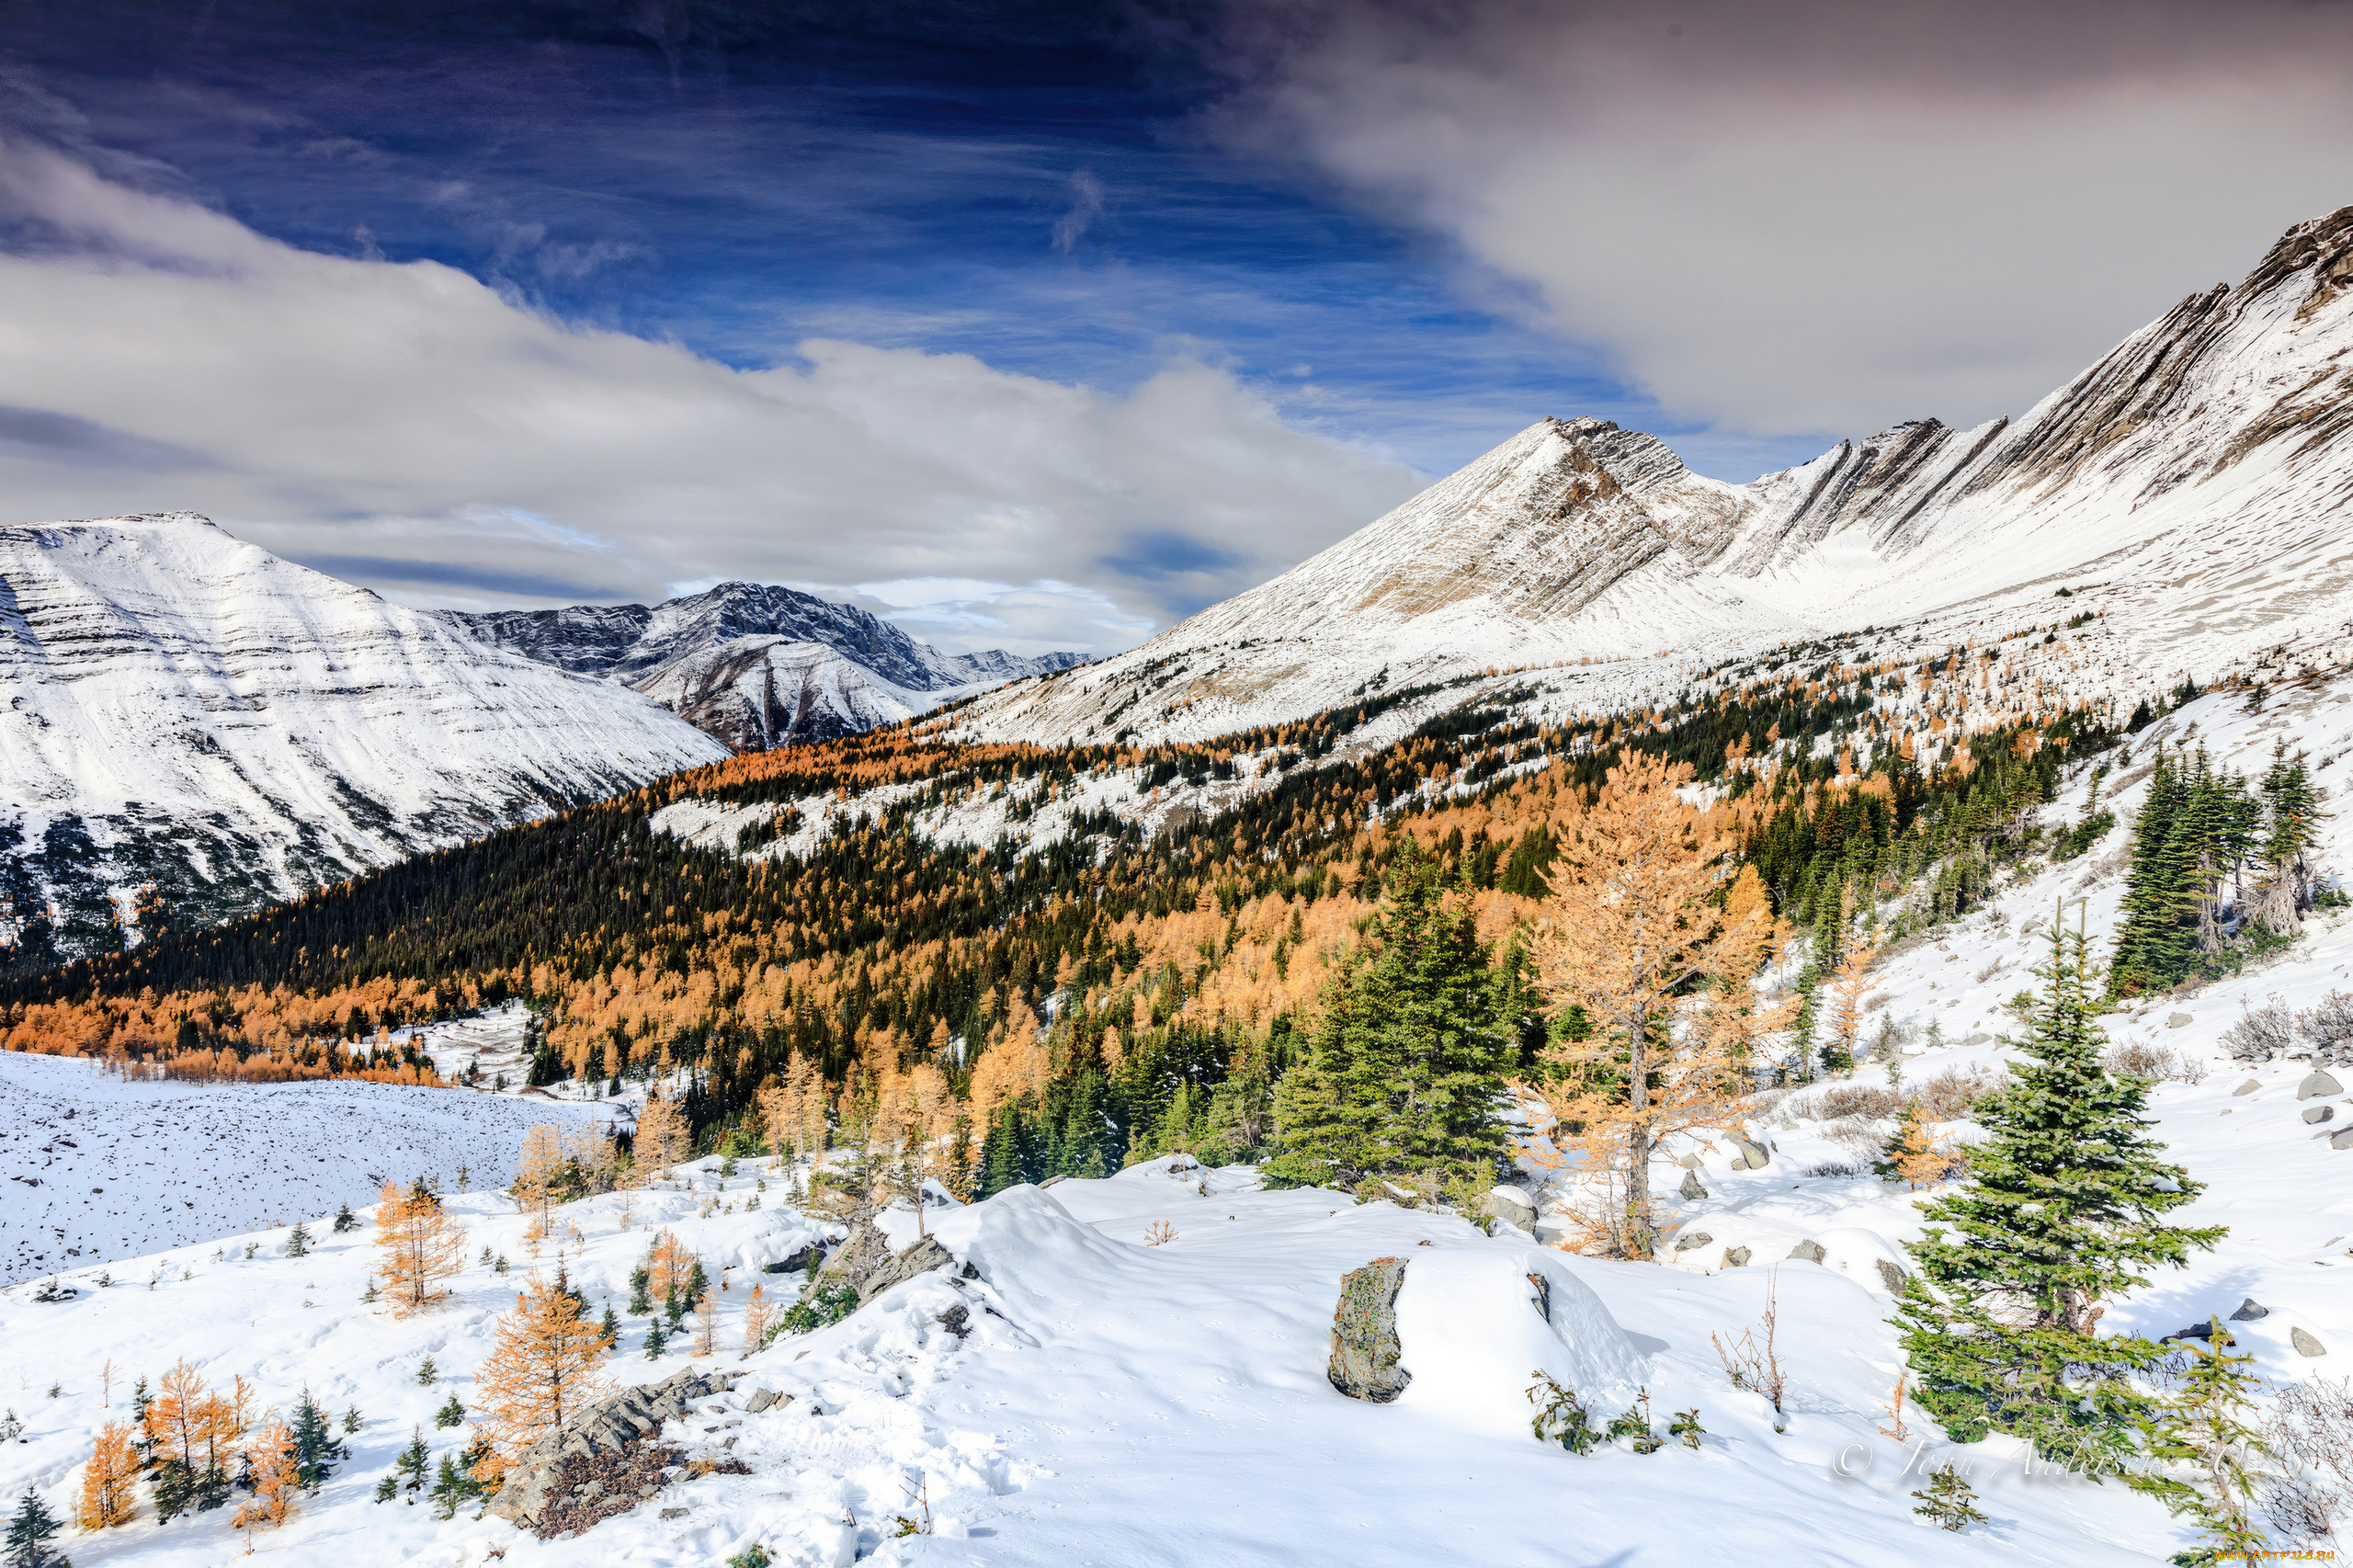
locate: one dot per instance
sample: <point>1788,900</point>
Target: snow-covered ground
<point>98,1171</point>
<point>1114,1402</point>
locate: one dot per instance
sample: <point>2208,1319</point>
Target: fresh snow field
<point>100,1170</point>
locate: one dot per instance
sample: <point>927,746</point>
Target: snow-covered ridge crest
<point>187,710</point>
<point>2189,482</point>
<point>756,665</point>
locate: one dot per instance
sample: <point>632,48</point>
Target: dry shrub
<point>2262,1034</point>
<point>1952,1095</point>
<point>1838,1168</point>
<point>1856,1099</point>
<point>2146,1059</point>
<point>2309,1430</point>
<point>1855,1133</point>
<point>2329,1022</point>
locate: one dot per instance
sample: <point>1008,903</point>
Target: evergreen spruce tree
<point>1403,1069</point>
<point>1999,1321</point>
<point>298,1241</point>
<point>2149,949</point>
<point>452,1413</point>
<point>1001,1152</point>
<point>344,1219</point>
<point>2292,804</point>
<point>640,1283</point>
<point>29,1535</point>
<point>611,1325</point>
<point>412,1462</point>
<point>451,1489</point>
<point>657,1342</point>
<point>316,1449</point>
<point>351,1419</point>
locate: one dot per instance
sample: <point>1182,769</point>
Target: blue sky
<point>1085,316</point>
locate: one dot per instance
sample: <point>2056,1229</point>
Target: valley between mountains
<point>1199,1107</point>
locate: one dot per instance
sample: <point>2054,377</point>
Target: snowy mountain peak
<point>756,665</point>
<point>2208,447</point>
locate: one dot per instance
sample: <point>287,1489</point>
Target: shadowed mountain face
<point>2194,477</point>
<point>753,665</point>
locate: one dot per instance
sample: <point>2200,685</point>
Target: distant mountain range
<point>194,727</point>
<point>757,665</point>
<point>2191,487</point>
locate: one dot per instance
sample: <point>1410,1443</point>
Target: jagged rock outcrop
<point>866,1262</point>
<point>542,1484</point>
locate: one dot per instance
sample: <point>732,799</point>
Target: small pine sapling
<point>639,1283</point>
<point>427,1374</point>
<point>351,1419</point>
<point>1687,1427</point>
<point>753,1556</point>
<point>1949,1501</point>
<point>1633,1426</point>
<point>344,1219</point>
<point>656,1343</point>
<point>450,1489</point>
<point>611,1325</point>
<point>1561,1416</point>
<point>452,1413</point>
<point>298,1241</point>
<point>387,1488</point>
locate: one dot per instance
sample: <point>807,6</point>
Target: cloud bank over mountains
<point>408,426</point>
<point>1818,216</point>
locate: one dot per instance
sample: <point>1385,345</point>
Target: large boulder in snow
<point>1512,1207</point>
<point>2318,1086</point>
<point>1477,1323</point>
<point>1364,1350</point>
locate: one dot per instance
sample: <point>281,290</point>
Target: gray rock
<point>1690,1239</point>
<point>1753,1155</point>
<point>1691,1191</point>
<point>1365,1349</point>
<point>792,1263</point>
<point>611,1422</point>
<point>1981,1037</point>
<point>1512,1206</point>
<point>2318,1086</point>
<point>956,1320</point>
<point>900,1267</point>
<point>2178,1021</point>
<point>866,1262</point>
<point>1809,1252</point>
<point>2320,1113</point>
<point>1051,1181</point>
<point>2247,1088</point>
<point>1736,1257</point>
<point>1890,1275</point>
<point>1690,1161</point>
<point>2305,1344</point>
<point>2248,1312</point>
<point>763,1399</point>
<point>2343,1140</point>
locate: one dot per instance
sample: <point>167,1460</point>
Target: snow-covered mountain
<point>2191,483</point>
<point>189,711</point>
<point>754,664</point>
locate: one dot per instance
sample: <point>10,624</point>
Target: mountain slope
<point>2207,448</point>
<point>187,710</point>
<point>754,664</point>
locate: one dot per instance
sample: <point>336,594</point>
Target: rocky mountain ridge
<point>194,726</point>
<point>756,665</point>
<point>2190,483</point>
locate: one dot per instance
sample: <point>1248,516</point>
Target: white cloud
<point>411,429</point>
<point>1825,216</point>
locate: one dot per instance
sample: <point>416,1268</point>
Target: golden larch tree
<point>176,1418</point>
<point>110,1480</point>
<point>757,1310</point>
<point>668,1265</point>
<point>546,1363</point>
<point>662,1136</point>
<point>421,1246</point>
<point>277,1477</point>
<point>1634,937</point>
<point>707,1325</point>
